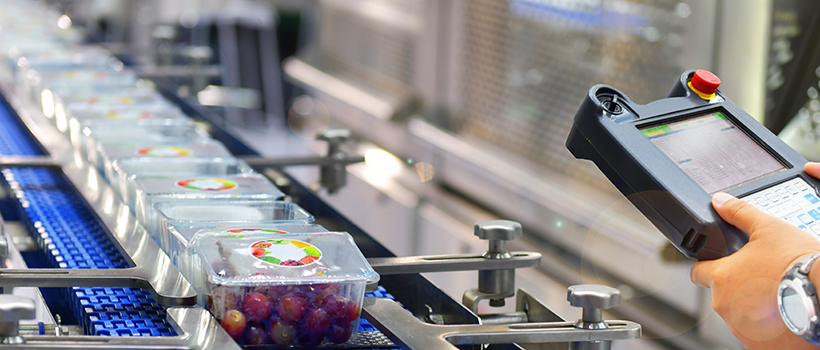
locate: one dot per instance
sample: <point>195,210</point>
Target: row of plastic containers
<point>257,263</point>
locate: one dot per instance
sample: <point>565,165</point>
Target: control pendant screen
<point>713,151</point>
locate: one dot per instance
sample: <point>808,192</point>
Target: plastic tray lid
<point>251,258</point>
<point>187,233</point>
<point>231,211</point>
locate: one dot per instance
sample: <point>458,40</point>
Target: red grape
<point>273,292</point>
<point>292,306</point>
<point>256,306</point>
<point>341,307</point>
<point>318,320</point>
<point>255,334</point>
<point>234,323</point>
<point>313,327</point>
<point>340,333</point>
<point>282,332</point>
<point>323,291</point>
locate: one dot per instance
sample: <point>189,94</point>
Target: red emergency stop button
<point>705,82</point>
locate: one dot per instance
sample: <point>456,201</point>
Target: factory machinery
<point>83,266</point>
<point>434,119</point>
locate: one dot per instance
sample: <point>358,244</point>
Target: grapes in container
<point>183,253</point>
<point>282,289</point>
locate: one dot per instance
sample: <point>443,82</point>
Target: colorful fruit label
<point>240,230</point>
<point>119,99</point>
<point>128,115</point>
<point>285,252</point>
<point>207,184</point>
<point>85,75</point>
<point>163,152</point>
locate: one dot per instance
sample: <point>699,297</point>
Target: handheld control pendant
<point>669,156</point>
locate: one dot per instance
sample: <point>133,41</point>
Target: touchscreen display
<point>713,151</point>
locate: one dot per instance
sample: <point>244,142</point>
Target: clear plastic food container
<point>79,118</point>
<point>149,130</point>
<point>111,151</point>
<point>41,84</point>
<point>30,66</point>
<point>178,189</point>
<point>85,98</point>
<point>176,216</point>
<point>128,168</point>
<point>285,289</point>
<point>182,252</point>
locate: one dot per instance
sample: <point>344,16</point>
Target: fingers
<point>701,273</point>
<point>812,169</point>
<point>741,214</point>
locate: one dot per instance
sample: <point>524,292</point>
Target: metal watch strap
<point>800,270</point>
<point>804,265</point>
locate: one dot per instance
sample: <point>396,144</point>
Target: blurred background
<point>462,108</point>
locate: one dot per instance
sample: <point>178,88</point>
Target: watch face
<point>794,309</point>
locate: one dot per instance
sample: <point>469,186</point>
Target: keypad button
<point>771,197</point>
<point>811,198</point>
<point>789,207</point>
<point>803,227</point>
<point>805,218</point>
<point>762,201</point>
<point>791,190</point>
<point>815,228</point>
<point>801,186</point>
<point>782,193</point>
<point>815,214</point>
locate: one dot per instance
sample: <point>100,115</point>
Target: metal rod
<point>166,294</point>
<point>32,161</point>
<point>446,263</point>
<point>297,161</point>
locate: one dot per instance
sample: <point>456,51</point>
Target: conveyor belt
<point>70,234</point>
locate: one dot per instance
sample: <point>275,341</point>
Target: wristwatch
<point>797,301</point>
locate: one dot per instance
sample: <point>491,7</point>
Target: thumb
<point>741,214</point>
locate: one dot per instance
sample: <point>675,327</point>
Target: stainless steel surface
<point>498,230</point>
<point>152,269</point>
<point>14,308</point>
<point>495,285</point>
<point>407,331</point>
<point>334,176</point>
<point>332,172</point>
<point>15,260</point>
<point>449,263</point>
<point>375,103</point>
<point>28,161</point>
<point>504,318</point>
<point>537,311</point>
<point>196,327</point>
<point>593,299</point>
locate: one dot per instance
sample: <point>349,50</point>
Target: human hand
<point>744,284</point>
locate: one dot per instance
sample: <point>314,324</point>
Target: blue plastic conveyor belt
<point>71,236</point>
